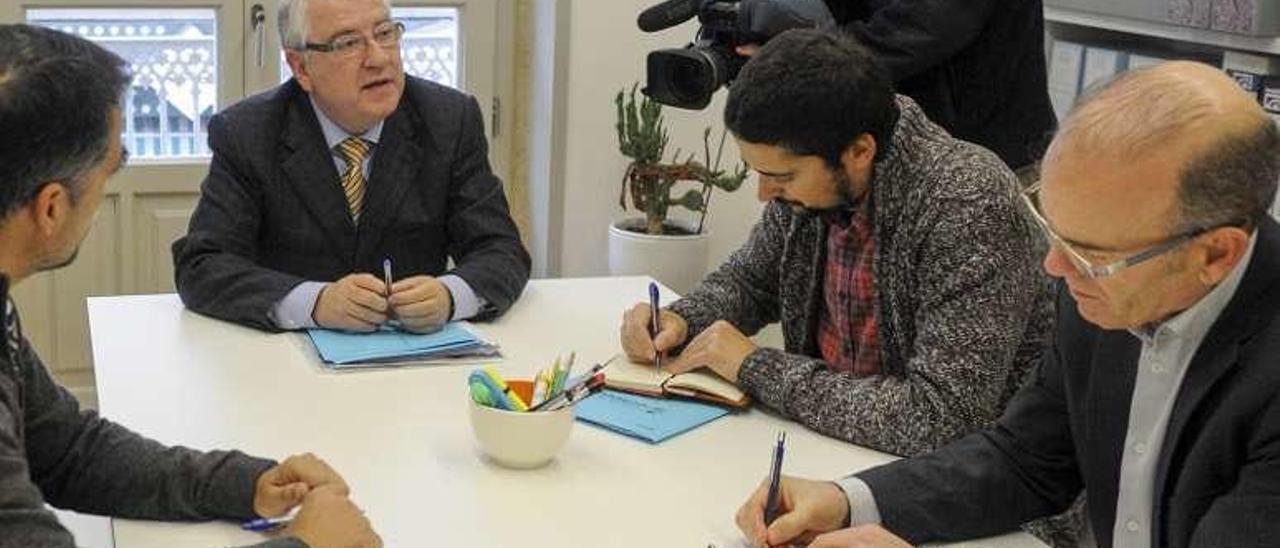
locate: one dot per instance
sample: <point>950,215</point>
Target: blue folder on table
<point>651,419</point>
<point>388,345</point>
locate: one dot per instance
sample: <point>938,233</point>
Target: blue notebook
<point>651,419</point>
<point>341,349</point>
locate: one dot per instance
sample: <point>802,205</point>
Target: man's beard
<point>845,200</point>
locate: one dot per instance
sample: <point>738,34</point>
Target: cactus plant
<point>642,136</point>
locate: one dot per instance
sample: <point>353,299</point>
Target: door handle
<point>257,23</point>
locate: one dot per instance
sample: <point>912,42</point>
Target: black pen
<point>579,392</point>
<point>775,480</point>
<point>550,403</point>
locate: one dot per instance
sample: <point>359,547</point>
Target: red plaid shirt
<point>848,325</point>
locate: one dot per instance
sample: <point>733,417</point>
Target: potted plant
<point>671,250</point>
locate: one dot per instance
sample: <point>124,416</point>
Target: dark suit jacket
<point>1218,473</point>
<point>272,213</point>
<point>976,67</point>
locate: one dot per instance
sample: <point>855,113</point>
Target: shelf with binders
<point>1081,57</point>
<point>1085,48</point>
<point>1059,16</point>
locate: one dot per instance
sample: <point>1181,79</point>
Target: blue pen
<point>266,524</point>
<point>654,321</point>
<point>775,480</point>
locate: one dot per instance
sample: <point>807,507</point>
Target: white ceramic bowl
<point>520,440</point>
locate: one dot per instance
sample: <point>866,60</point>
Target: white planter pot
<point>676,261</point>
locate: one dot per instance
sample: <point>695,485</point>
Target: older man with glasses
<point>1160,394</point>
<point>349,166</point>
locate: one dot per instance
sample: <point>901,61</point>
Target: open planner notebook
<point>454,343</point>
<point>647,412</point>
<point>649,380</point>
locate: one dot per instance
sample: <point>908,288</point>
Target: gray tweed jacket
<point>963,307</point>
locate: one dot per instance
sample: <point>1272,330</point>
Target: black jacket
<point>1217,477</point>
<point>272,213</point>
<point>976,67</point>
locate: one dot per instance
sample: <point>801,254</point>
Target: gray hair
<point>1232,176</point>
<point>291,20</point>
<point>60,91</point>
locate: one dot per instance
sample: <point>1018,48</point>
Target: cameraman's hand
<point>747,50</point>
<point>636,341</point>
<point>328,519</point>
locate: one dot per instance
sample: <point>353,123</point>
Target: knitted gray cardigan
<point>962,304</point>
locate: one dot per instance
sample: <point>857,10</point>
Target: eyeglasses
<point>352,44</point>
<point>1031,199</point>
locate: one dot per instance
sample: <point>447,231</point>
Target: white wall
<point>606,52</point>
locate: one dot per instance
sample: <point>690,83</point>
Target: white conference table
<point>402,437</point>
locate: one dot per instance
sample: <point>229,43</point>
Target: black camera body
<point>687,77</point>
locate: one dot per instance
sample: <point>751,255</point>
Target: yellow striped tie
<point>353,151</point>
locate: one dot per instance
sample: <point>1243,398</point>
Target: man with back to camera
<point>60,125</point>
<point>976,68</point>
<point>892,253</point>
<point>1160,394</point>
<point>314,183</point>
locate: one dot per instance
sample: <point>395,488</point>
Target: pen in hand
<point>655,322</point>
<point>386,279</point>
<point>386,274</point>
<point>262,525</point>
<point>775,480</point>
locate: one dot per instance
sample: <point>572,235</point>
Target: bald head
<point>1225,144</point>
<point>1158,107</point>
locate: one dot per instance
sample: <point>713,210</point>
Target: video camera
<point>687,77</point>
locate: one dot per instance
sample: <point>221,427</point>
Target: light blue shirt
<point>295,309</point>
<point>334,134</point>
<point>1167,350</point>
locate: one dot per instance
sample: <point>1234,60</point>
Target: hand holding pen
<point>786,509</point>
<point>331,520</point>
<point>655,322</point>
<point>353,303</point>
<point>640,340</point>
<point>283,486</point>
<point>308,498</point>
<point>775,479</point>
<point>422,304</point>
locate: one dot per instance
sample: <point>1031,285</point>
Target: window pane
<point>173,55</point>
<point>430,45</point>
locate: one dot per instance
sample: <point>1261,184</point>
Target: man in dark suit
<point>313,184</point>
<point>1160,394</point>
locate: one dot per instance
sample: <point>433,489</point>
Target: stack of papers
<point>651,419</point>
<point>390,346</point>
